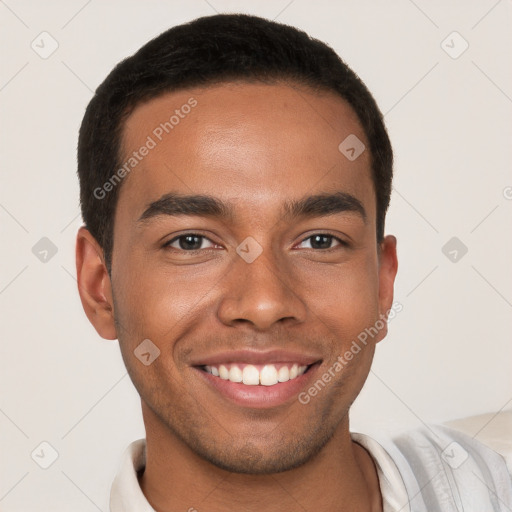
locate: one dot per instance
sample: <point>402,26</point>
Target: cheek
<point>174,293</point>
<point>157,301</point>
<point>152,305</point>
<point>343,297</point>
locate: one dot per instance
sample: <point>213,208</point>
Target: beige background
<point>448,353</point>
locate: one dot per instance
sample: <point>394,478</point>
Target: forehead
<point>254,145</point>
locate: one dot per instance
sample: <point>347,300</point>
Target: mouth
<point>255,375</point>
<point>258,385</point>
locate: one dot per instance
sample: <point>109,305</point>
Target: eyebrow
<point>317,205</point>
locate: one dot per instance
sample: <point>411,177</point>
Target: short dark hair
<point>203,52</point>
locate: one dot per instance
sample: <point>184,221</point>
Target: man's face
<point>317,284</point>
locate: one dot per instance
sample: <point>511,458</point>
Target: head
<point>223,213</point>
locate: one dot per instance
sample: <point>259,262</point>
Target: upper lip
<point>256,357</point>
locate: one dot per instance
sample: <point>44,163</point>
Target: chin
<point>251,459</point>
<point>252,462</point>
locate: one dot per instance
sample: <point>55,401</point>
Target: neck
<point>342,477</point>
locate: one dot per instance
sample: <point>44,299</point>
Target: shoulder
<point>493,430</point>
<point>446,469</point>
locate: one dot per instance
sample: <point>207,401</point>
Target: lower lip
<point>259,397</point>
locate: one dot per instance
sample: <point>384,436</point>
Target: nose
<point>260,294</point>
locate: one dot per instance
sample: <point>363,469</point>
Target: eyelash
<point>168,244</point>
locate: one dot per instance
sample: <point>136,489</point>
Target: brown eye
<point>188,242</point>
<point>322,241</point>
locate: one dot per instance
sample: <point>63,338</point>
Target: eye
<point>322,241</point>
<point>189,242</point>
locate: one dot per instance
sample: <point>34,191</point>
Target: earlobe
<point>388,266</point>
<point>94,284</point>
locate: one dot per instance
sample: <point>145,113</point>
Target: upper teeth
<point>250,375</point>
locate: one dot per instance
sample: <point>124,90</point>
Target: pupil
<point>321,241</point>
<point>190,242</point>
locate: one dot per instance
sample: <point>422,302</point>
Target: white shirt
<point>430,469</point>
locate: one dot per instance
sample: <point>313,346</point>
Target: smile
<point>257,386</point>
<point>254,375</point>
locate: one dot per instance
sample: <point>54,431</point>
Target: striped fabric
<point>447,471</point>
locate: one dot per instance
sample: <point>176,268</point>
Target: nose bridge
<point>260,292</point>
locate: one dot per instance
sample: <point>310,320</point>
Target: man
<point>235,176</point>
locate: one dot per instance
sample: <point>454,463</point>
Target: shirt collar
<point>126,494</point>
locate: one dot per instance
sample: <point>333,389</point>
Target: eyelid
<point>167,244</point>
<point>188,233</point>
<point>341,241</point>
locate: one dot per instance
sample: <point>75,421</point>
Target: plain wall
<point>448,353</point>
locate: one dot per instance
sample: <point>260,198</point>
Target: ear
<point>388,266</point>
<point>94,284</point>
